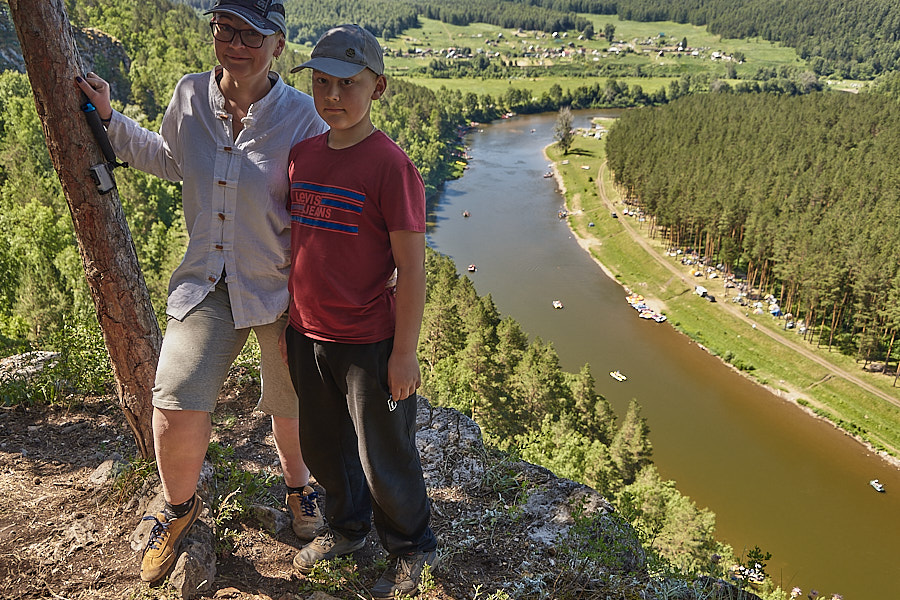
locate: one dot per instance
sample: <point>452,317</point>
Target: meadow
<point>639,43</point>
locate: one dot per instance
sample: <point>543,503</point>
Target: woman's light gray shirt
<point>234,192</point>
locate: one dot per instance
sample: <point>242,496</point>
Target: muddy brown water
<point>775,477</point>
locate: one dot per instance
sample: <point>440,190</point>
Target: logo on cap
<point>350,52</point>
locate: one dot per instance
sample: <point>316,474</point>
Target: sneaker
<point>307,518</point>
<point>165,540</point>
<point>327,545</point>
<point>402,577</point>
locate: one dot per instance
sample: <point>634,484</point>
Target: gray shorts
<point>198,351</point>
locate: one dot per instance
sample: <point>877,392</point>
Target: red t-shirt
<point>344,204</point>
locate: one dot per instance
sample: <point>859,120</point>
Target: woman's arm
<point>139,147</point>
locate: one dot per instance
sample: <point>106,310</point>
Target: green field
<point>640,42</point>
<point>712,324</point>
<point>758,52</point>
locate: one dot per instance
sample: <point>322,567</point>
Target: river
<point>775,477</point>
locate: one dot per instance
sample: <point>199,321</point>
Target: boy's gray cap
<point>344,51</point>
<point>265,16</point>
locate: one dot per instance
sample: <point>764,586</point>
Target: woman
<point>226,135</point>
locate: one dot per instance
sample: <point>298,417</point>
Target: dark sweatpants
<point>362,452</point>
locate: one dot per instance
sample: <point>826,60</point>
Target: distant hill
<point>856,40</point>
<point>99,52</point>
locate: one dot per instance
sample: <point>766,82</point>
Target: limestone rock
<point>24,366</point>
<point>271,519</point>
<point>319,595</point>
<point>452,453</point>
<point>109,469</point>
<point>195,569</point>
<point>449,443</point>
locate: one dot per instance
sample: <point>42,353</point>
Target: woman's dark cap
<point>265,16</point>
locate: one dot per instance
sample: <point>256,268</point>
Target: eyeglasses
<point>225,33</point>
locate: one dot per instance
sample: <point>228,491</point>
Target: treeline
<point>507,14</point>
<point>798,194</point>
<point>307,21</point>
<point>610,94</point>
<point>856,40</point>
<point>484,366</point>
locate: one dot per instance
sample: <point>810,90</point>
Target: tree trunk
<point>890,348</point>
<point>121,299</point>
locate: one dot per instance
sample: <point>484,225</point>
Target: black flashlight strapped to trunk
<point>101,173</point>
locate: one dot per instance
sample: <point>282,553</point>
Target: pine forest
<point>798,195</point>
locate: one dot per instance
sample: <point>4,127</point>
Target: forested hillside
<point>799,194</point>
<point>43,287</point>
<point>484,365</point>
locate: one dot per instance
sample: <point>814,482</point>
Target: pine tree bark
<point>122,302</point>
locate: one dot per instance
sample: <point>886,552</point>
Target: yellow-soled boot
<point>165,540</point>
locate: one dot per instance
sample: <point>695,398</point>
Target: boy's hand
<point>392,282</point>
<point>408,248</point>
<point>404,376</point>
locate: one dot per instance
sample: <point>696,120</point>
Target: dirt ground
<point>65,537</point>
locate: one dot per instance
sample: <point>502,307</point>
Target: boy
<point>357,212</point>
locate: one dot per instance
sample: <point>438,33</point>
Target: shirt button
<point>227,148</point>
<point>221,217</point>
<point>219,246</point>
<point>221,182</point>
<point>212,279</point>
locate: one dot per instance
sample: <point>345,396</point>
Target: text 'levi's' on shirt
<point>234,191</point>
<point>344,205</point>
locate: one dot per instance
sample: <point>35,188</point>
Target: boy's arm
<point>404,376</point>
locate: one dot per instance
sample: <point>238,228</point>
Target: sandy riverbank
<point>586,243</point>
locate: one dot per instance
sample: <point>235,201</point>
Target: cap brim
<point>331,66</point>
<point>263,26</point>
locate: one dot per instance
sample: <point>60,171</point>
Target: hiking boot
<point>165,540</point>
<point>401,578</point>
<point>327,545</point>
<point>307,518</point>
